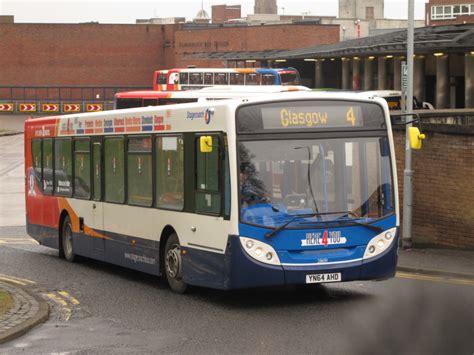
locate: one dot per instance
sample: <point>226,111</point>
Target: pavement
<point>30,309</point>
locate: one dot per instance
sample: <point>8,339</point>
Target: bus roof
<point>230,70</point>
<point>215,91</point>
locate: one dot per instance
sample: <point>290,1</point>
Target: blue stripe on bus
<point>147,128</point>
<point>108,129</point>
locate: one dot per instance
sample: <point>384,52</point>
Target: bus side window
<point>170,172</point>
<point>48,166</point>
<point>183,79</point>
<point>253,79</point>
<point>208,197</point>
<point>82,168</point>
<point>195,78</point>
<point>236,79</point>
<point>268,79</point>
<point>97,167</point>
<point>139,171</point>
<point>63,166</point>
<point>221,79</point>
<point>114,170</point>
<point>37,161</point>
<point>208,79</point>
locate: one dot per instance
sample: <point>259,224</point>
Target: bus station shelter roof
<point>447,39</point>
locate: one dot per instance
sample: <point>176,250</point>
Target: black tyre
<point>173,264</point>
<point>67,240</point>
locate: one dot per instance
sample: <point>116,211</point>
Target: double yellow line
<point>12,240</point>
<point>65,301</point>
<point>16,280</point>
<point>433,278</point>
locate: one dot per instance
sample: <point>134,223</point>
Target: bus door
<point>97,206</point>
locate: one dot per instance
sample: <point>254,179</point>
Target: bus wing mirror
<point>416,138</point>
<point>205,144</point>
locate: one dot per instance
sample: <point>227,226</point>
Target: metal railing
<point>59,99</point>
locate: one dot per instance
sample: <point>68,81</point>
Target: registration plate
<point>320,278</point>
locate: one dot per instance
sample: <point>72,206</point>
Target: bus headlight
<point>260,251</point>
<point>380,243</point>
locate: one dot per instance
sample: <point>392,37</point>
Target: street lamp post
<point>408,173</point>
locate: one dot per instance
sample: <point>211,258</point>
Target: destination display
<point>309,115</point>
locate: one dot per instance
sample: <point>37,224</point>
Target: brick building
<point>126,55</point>
<point>224,13</point>
<point>449,12</point>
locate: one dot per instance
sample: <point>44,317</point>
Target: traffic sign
<point>50,107</point>
<point>7,107</point>
<point>28,107</point>
<point>404,73</point>
<point>71,107</point>
<point>94,107</point>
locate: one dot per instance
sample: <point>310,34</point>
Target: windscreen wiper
<point>283,226</point>
<point>367,225</point>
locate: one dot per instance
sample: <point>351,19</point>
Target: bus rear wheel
<point>174,264</point>
<point>66,235</point>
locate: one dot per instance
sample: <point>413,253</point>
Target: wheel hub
<point>173,262</point>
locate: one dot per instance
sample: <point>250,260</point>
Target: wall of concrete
<point>443,212</point>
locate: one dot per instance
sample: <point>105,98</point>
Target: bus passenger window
<point>37,160</point>
<point>48,166</point>
<point>236,79</point>
<point>208,78</point>
<point>170,172</point>
<point>183,78</point>
<point>195,78</point>
<point>82,168</point>
<point>97,164</point>
<point>139,171</point>
<point>161,79</point>
<point>208,197</point>
<point>268,79</point>
<point>253,79</point>
<point>63,167</point>
<point>221,79</point>
<point>114,170</point>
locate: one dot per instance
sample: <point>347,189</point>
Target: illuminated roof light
<point>438,54</point>
<point>371,57</point>
<point>389,56</point>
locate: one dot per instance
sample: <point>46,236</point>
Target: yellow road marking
<point>457,281</point>
<point>9,240</point>
<point>16,280</point>
<point>61,302</point>
<point>72,299</point>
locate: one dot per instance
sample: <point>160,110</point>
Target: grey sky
<point>110,11</point>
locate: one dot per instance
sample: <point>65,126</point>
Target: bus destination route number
<point>311,117</point>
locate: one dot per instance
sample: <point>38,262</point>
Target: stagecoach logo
<point>207,115</point>
<point>323,239</point>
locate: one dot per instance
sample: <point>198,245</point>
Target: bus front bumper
<point>244,272</point>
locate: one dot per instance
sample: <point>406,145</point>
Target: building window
<point>369,13</point>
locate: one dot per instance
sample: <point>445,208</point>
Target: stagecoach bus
<point>288,189</point>
<point>196,78</point>
<point>143,98</point>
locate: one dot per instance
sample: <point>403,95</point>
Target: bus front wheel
<point>174,264</point>
<point>66,235</point>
